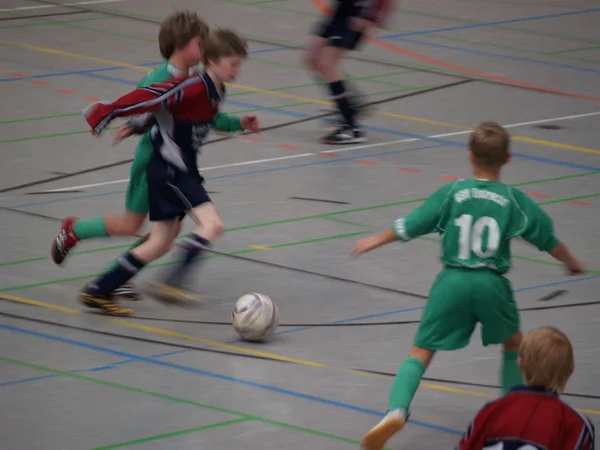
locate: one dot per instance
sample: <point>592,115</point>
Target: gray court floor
<point>293,207</point>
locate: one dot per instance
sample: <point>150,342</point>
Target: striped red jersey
<point>180,112</point>
<point>528,418</point>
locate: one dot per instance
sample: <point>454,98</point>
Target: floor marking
<point>65,91</point>
<point>259,247</point>
<point>288,147</point>
<point>323,8</point>
<point>334,153</point>
<point>367,162</point>
<point>577,202</point>
<point>408,170</point>
<point>16,75</point>
<point>312,100</point>
<point>90,2</point>
<point>41,83</point>
<point>161,331</point>
<point>184,401</point>
<point>537,194</point>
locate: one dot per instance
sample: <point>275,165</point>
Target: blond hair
<point>178,29</point>
<point>224,43</point>
<point>490,145</point>
<point>547,359</point>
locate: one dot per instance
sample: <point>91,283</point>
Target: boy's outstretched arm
<point>423,220</point>
<point>230,123</point>
<point>144,100</point>
<point>562,253</point>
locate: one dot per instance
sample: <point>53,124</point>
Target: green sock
<point>406,383</point>
<point>90,228</point>
<point>511,375</point>
<point>137,243</point>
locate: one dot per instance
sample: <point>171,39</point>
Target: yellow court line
<point>299,97</point>
<point>302,362</point>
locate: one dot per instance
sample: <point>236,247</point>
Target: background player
<point>333,37</point>
<point>183,110</point>
<point>180,40</point>
<point>476,219</point>
<point>533,416</point>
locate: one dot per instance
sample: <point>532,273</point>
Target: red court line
<point>288,147</point>
<point>366,162</point>
<point>448,178</point>
<point>580,203</point>
<point>322,7</point>
<point>41,83</point>
<point>407,170</point>
<point>537,194</point>
<point>16,75</point>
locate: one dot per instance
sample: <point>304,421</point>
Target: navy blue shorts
<point>171,194</point>
<point>336,29</point>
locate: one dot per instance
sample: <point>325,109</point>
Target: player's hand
<point>250,123</point>
<point>575,267</point>
<point>122,133</point>
<point>365,245</point>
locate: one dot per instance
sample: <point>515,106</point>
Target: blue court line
<point>292,330</point>
<point>489,24</point>
<point>109,69</point>
<point>499,55</point>
<point>241,174</point>
<point>219,376</point>
<point>372,128</point>
<point>295,166</point>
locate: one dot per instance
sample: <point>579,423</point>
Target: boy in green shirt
<point>181,38</point>
<point>476,218</point>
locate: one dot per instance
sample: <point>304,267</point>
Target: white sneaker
<point>392,423</point>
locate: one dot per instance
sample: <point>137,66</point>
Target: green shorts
<point>136,198</point>
<point>458,300</point>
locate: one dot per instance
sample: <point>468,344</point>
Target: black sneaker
<point>91,299</point>
<point>345,135</point>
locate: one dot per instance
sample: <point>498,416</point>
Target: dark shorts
<point>171,194</point>
<point>337,31</point>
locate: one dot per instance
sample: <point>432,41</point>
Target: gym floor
<point>163,379</point>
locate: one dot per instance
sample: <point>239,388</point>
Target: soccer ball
<point>254,317</point>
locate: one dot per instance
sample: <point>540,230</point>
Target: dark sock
<point>126,268</point>
<point>137,243</point>
<point>342,98</point>
<point>193,247</point>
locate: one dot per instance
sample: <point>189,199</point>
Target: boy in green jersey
<point>476,218</point>
<point>181,39</point>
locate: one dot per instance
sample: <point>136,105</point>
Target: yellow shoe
<point>92,300</point>
<point>392,423</point>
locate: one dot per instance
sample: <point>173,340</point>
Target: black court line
<point>226,138</point>
<point>73,191</point>
<point>244,355</point>
<point>40,16</point>
<point>309,199</point>
<point>552,295</point>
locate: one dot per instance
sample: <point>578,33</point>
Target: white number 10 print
<point>471,236</point>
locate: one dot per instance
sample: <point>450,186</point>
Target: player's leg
<point>209,227</point>
<point>446,324</point>
<point>74,230</point>
<point>100,293</point>
<point>500,323</point>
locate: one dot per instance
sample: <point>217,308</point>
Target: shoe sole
<point>351,141</point>
<point>378,436</point>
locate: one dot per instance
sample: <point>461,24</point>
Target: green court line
<point>151,266</point>
<point>277,246</point>
<point>50,22</point>
<point>180,400</point>
<point>316,216</point>
<point>173,433</point>
<point>593,47</point>
<point>31,119</point>
<point>334,219</point>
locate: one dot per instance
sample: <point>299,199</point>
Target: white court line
<point>337,150</point>
<point>89,2</point>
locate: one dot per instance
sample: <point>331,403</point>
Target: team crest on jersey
<point>199,133</point>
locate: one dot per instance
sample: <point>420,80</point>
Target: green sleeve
<point>227,123</point>
<point>426,218</point>
<point>535,226</point>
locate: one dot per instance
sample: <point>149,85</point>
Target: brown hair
<point>490,145</point>
<point>178,29</point>
<point>547,359</point>
<point>224,43</point>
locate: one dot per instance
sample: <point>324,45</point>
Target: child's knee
<point>218,227</point>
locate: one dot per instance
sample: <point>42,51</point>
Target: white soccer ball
<point>254,317</point>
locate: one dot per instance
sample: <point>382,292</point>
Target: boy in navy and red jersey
<point>179,114</point>
<point>533,417</point>
<point>334,37</point>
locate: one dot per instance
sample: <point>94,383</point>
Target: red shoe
<point>65,241</point>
